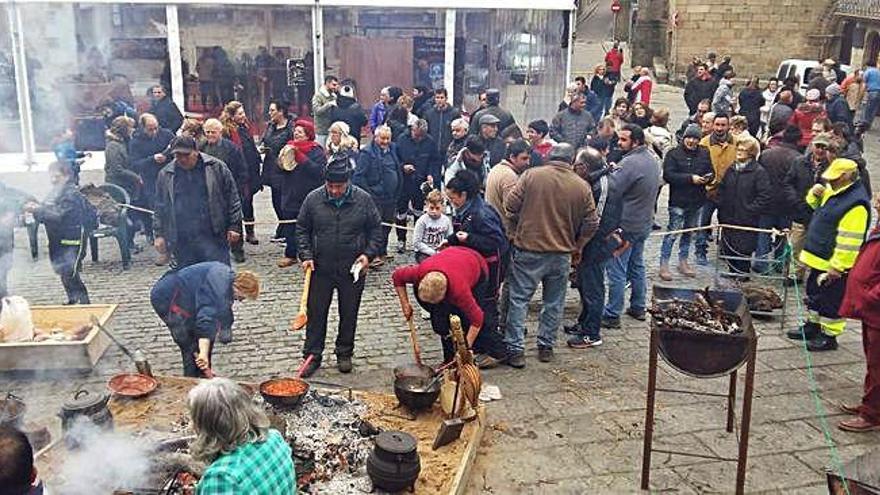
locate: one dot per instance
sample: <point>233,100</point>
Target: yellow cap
<point>838,167</point>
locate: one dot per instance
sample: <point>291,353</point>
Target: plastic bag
<point>16,324</point>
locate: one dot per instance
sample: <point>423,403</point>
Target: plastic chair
<point>121,232</point>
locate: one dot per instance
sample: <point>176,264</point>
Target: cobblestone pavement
<point>571,426</point>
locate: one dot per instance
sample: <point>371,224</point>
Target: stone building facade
<point>758,34</point>
<point>855,31</point>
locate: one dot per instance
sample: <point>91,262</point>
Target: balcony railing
<point>869,9</point>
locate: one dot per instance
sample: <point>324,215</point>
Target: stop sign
<point>615,6</point>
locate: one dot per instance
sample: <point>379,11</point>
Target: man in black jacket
<point>224,150</point>
<point>799,178</point>
<point>165,110</point>
<point>687,168</point>
<point>776,160</point>
<point>68,218</point>
<point>419,159</point>
<point>488,135</point>
<point>701,87</point>
<point>147,152</point>
<point>591,166</point>
<point>351,112</point>
<point>439,118</point>
<point>338,230</point>
<point>198,208</point>
<point>505,118</point>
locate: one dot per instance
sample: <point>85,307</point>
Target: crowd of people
<point>497,207</point>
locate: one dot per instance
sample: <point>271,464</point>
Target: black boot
<point>810,330</point>
<point>250,237</point>
<point>822,342</point>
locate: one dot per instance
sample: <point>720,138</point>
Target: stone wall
<point>758,34</point>
<point>649,32</point>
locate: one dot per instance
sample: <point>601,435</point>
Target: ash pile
<point>702,314</point>
<point>331,443</point>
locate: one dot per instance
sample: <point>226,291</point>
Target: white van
<point>801,68</point>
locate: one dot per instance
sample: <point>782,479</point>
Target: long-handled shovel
<point>450,429</point>
<point>417,353</point>
<point>300,320</point>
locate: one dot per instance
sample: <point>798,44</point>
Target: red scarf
<point>309,144</point>
<point>304,147</point>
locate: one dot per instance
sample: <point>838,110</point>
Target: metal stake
<point>731,402</point>
<point>649,412</point>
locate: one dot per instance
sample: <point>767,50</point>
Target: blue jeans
<point>526,272</point>
<point>701,245</point>
<point>679,218</point>
<point>872,106</point>
<point>629,266</point>
<point>591,285</point>
<point>763,252</point>
<point>607,104</point>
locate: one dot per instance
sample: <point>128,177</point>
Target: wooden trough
<point>60,355</point>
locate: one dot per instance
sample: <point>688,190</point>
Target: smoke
<point>106,461</point>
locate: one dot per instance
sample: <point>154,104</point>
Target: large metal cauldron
<point>704,354</point>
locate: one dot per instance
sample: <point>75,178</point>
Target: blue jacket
<point>483,226</point>
<point>377,115</point>
<point>838,110</point>
<point>594,104</point>
<point>141,150</point>
<point>379,173</point>
<point>198,298</point>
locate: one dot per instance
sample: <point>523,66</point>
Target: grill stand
<point>745,424</point>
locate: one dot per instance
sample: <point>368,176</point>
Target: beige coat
<point>501,180</point>
<point>855,93</point>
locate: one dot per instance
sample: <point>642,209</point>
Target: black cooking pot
<point>286,400</point>
<point>414,392</point>
<point>84,407</point>
<point>394,463</point>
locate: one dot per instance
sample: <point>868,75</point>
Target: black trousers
<point>326,279</point>
<point>66,261</point>
<point>238,247</point>
<point>410,196</point>
<point>388,214</point>
<point>276,205</point>
<point>247,206</point>
<point>288,231</point>
<point>738,244</point>
<point>489,340</point>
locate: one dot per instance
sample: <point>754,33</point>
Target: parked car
<point>803,69</point>
<point>522,56</point>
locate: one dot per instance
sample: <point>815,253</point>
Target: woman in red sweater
<point>862,302</point>
<point>455,281</point>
